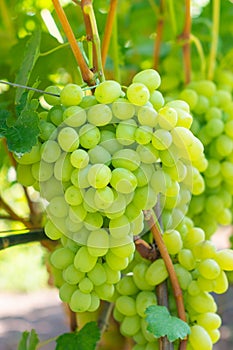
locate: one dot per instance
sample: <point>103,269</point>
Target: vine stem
<point>185,37</point>
<point>93,35</point>
<point>22,238</point>
<point>149,217</point>
<point>87,74</point>
<point>108,30</point>
<point>159,34</point>
<point>214,41</point>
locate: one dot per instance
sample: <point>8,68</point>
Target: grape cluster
<point>101,160</point>
<point>200,269</point>
<point>213,121</point>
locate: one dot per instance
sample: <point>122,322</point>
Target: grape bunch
<point>212,110</point>
<point>100,162</point>
<point>200,269</point>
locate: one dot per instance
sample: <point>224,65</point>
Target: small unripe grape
<point>71,95</point>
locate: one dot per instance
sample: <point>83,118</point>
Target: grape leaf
<point>161,323</point>
<point>31,55</point>
<point>85,339</point>
<point>28,341</point>
<point>21,134</point>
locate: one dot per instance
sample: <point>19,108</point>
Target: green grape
<point>126,305</point>
<point>83,261</point>
<point>50,151</point>
<point>98,275</point>
<point>204,87</point>
<point>113,276</point>
<point>95,302</point>
<point>99,175</point>
<point>80,302</point>
<point>148,77</point>
<point>123,109</point>
<point>125,131</point>
<point>66,291</point>
<point>74,116</point>
<point>156,272</point>
<point>193,288</point>
<point>143,174</point>
<point>209,320</point>
<point>157,99</point>
<point>214,335</point>
<point>140,341</point>
<point>206,285</point>
<point>126,158</point>
<point>109,142</point>
<point>73,195</point>
<point>148,154</point>
<point>52,231</point>
<point>117,208</point>
<point>99,154</point>
<point>79,178</point>
<point>202,302</point>
<point>224,145</point>
<point>61,258</point>
<point>68,139</point>
<point>187,259</point>
<point>73,226</point>
<point>173,241</point>
<point>63,168</point>
<point>147,116</point>
<point>126,286</point>
<point>93,221</point>
<point>103,198</point>
<point>138,94</point>
<point>167,118</point>
<point>130,325</point>
<point>123,180</point>
<point>115,262</point>
<point>86,285</point>
<point>117,315</point>
<point>98,242</point>
<point>148,335</point>
<point>55,115</point>
<point>89,136</point>
<point>77,213</point>
<point>71,275</point>
<point>194,236</point>
<point>143,134</point>
<point>24,175</point>
<point>71,95</point>
<point>50,99</point>
<point>184,276</point>
<point>58,207</point>
<point>105,291</point>
<point>144,198</point>
<point>119,227</point>
<point>31,157</point>
<point>190,96</point>
<point>79,158</point>
<point>51,188</point>
<point>48,131</point>
<point>209,268</point>
<point>99,115</point>
<point>122,247</point>
<point>88,101</point>
<point>221,283</point>
<point>199,338</point>
<point>108,91</point>
<point>224,258</point>
<point>161,139</point>
<point>143,300</point>
<point>214,127</point>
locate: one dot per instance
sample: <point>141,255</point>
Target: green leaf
<point>85,339</point>
<point>28,341</point>
<point>22,133</point>
<point>161,323</point>
<point>31,55</point>
<point>88,336</point>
